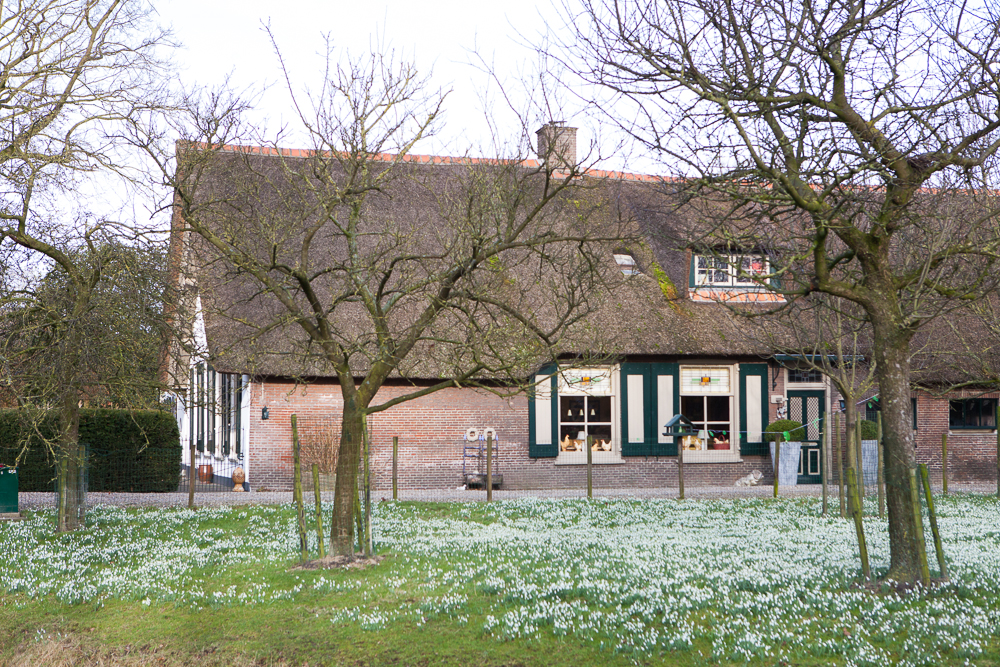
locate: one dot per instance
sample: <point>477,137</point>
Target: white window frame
<point>796,386</point>
<point>732,454</point>
<point>708,276</point>
<point>626,262</point>
<point>580,457</point>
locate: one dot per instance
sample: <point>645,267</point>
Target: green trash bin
<point>8,490</point>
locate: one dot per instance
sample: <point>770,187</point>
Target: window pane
<point>600,432</point>
<point>572,409</point>
<point>599,409</point>
<point>718,408</point>
<point>746,271</point>
<point>693,407</point>
<point>956,418</point>
<point>973,408</point>
<point>573,432</point>
<point>720,439</point>
<point>721,274</point>
<point>705,380</point>
<point>796,375</point>
<point>989,413</point>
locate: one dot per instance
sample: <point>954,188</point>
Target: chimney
<point>557,145</point>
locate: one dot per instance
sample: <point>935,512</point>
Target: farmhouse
<point>657,337</point>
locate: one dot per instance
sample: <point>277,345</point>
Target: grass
<point>522,582</point>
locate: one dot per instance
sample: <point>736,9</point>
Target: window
<point>972,413</point>
<point>585,408</point>
<point>804,376</point>
<point>707,400</point>
<point>729,270</point>
<point>625,408</point>
<point>626,263</point>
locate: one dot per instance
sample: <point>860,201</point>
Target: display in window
<point>712,416</point>
<point>582,416</point>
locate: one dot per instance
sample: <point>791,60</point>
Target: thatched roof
<point>262,200</point>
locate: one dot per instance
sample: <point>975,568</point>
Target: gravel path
<point>29,501</point>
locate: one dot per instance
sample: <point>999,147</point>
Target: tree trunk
<point>70,465</point>
<point>351,437</point>
<point>852,449</point>
<point>892,350</point>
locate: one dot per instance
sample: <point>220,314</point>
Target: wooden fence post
<point>840,466</point>
<point>191,476</point>
<point>489,467</point>
<point>395,469</point>
<point>680,465</point>
<point>368,489</point>
<point>590,464</point>
<point>297,489</point>
<point>824,454</point>
<point>859,526</point>
<point>918,515</point>
<point>860,457</point>
<point>319,511</point>
<point>944,462</point>
<point>358,520</point>
<point>938,546</point>
<point>777,461</point>
<point>881,474</point>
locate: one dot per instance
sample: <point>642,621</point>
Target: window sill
<point>972,431</point>
<point>580,458</point>
<point>711,457</point>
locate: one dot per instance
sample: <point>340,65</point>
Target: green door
<point>8,490</point>
<point>809,407</point>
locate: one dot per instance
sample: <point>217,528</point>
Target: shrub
<point>136,451</point>
<point>776,428</point>
<point>869,430</point>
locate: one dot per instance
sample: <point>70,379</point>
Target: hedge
<point>869,430</point>
<point>778,427</point>
<point>136,451</point>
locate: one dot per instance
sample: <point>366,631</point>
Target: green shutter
<point>548,449</point>
<point>662,407</point>
<point>753,445</point>
<point>632,445</point>
<point>640,408</point>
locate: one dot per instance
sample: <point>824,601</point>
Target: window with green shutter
<point>542,420</point>
<point>753,409</point>
<point>648,401</point>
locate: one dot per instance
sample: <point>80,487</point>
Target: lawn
<point>522,582</point>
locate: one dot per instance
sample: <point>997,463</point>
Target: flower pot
<point>205,473</point>
<point>719,445</point>
<point>788,474</point>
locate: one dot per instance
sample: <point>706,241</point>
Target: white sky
<point>221,38</point>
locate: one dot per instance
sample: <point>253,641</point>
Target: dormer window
<point>729,270</point>
<point>626,262</point>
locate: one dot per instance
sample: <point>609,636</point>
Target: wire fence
<point>396,471</point>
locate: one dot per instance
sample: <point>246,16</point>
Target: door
<point>809,407</point>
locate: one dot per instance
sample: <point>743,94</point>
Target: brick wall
<point>430,431</point>
<point>972,455</point>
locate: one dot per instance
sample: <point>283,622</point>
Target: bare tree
<point>357,260</point>
<point>72,74</point>
<point>862,135</point>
